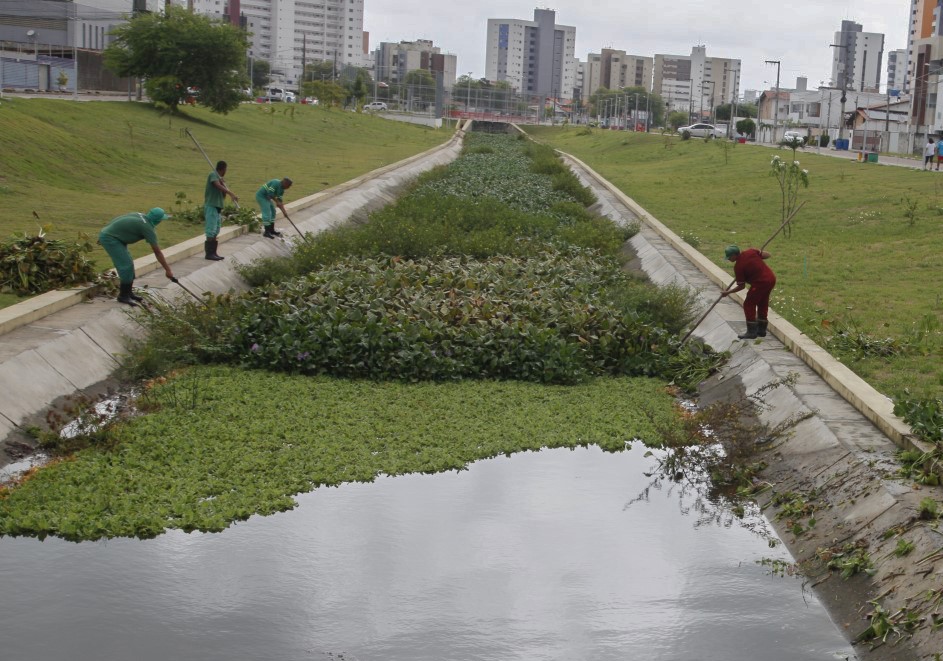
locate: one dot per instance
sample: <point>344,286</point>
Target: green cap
<point>731,251</point>
<point>155,215</point>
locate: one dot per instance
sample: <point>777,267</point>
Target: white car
<point>702,131</point>
<point>375,105</point>
<point>794,136</point>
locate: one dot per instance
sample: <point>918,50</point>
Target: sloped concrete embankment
<point>68,342</point>
<point>836,455</point>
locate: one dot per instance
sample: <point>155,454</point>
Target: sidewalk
<point>850,155</point>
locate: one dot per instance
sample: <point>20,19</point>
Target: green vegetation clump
<point>36,264</point>
<point>180,467</point>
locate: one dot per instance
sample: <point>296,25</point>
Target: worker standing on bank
<point>268,197</point>
<point>122,232</point>
<point>750,269</point>
<point>214,197</point>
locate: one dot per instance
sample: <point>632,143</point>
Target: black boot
<point>273,230</point>
<point>762,325</point>
<point>209,246</point>
<point>752,327</point>
<point>269,232</point>
<point>124,294</point>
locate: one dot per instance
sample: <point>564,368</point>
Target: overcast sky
<point>797,33</point>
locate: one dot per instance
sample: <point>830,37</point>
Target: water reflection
<point>536,556</point>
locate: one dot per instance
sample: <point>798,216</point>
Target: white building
<point>536,57</point>
<point>696,83</point>
<point>288,33</point>
<point>857,58</point>
<point>897,69</point>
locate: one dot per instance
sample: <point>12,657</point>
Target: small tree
<point>677,118</point>
<point>176,50</point>
<point>746,127</point>
<point>791,177</point>
<point>261,72</point>
<point>62,79</point>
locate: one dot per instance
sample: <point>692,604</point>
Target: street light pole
<point>776,106</point>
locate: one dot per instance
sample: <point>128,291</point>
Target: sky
<point>797,33</point>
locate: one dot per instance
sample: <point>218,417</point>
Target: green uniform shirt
<point>131,228</point>
<point>212,196</point>
<point>272,190</point>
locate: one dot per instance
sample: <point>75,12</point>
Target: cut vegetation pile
<point>444,301</point>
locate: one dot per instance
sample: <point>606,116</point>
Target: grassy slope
<point>853,257</point>
<point>79,164</point>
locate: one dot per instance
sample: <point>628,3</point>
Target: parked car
<point>702,131</point>
<point>794,136</point>
<point>280,94</point>
<point>375,105</point>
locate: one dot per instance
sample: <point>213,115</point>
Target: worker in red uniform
<point>749,268</point>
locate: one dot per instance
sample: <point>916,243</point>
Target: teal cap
<point>731,251</point>
<point>155,215</point>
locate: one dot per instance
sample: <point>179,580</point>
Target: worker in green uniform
<point>119,234</point>
<point>268,197</point>
<point>214,197</point>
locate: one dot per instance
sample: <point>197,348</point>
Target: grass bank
<point>76,165</point>
<point>860,272</point>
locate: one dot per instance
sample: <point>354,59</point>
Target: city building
<point>857,58</point>
<point>392,61</point>
<point>290,34</point>
<point>897,70</point>
<point>615,69</point>
<point>535,57</point>
<point>695,83</point>
<point>925,75</point>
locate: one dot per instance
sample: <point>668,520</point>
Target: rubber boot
<point>752,327</point>
<point>209,246</point>
<point>124,294</point>
<point>273,230</point>
<point>269,232</point>
<point>761,326</point>
<point>134,297</point>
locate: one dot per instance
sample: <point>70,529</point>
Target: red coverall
<point>750,268</point>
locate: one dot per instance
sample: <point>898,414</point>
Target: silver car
<point>702,131</point>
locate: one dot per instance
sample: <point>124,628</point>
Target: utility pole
<point>775,107</point>
<point>844,85</point>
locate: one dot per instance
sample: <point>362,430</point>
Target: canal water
<point>549,555</point>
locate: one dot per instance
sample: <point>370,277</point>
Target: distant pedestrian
<point>750,269</point>
<point>119,234</point>
<point>268,197</point>
<point>929,150</point>
<point>939,153</point>
<point>214,197</point>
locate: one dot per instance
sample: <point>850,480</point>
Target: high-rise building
<point>857,58</point>
<point>392,61</point>
<point>897,69</point>
<point>535,57</point>
<point>615,69</point>
<point>696,83</point>
<point>292,33</point>
<point>924,74</point>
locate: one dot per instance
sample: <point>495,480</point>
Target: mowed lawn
<point>865,258</point>
<point>76,165</point>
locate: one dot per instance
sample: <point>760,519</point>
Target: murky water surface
<point>536,556</point>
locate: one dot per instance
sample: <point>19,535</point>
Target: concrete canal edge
<point>836,455</point>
